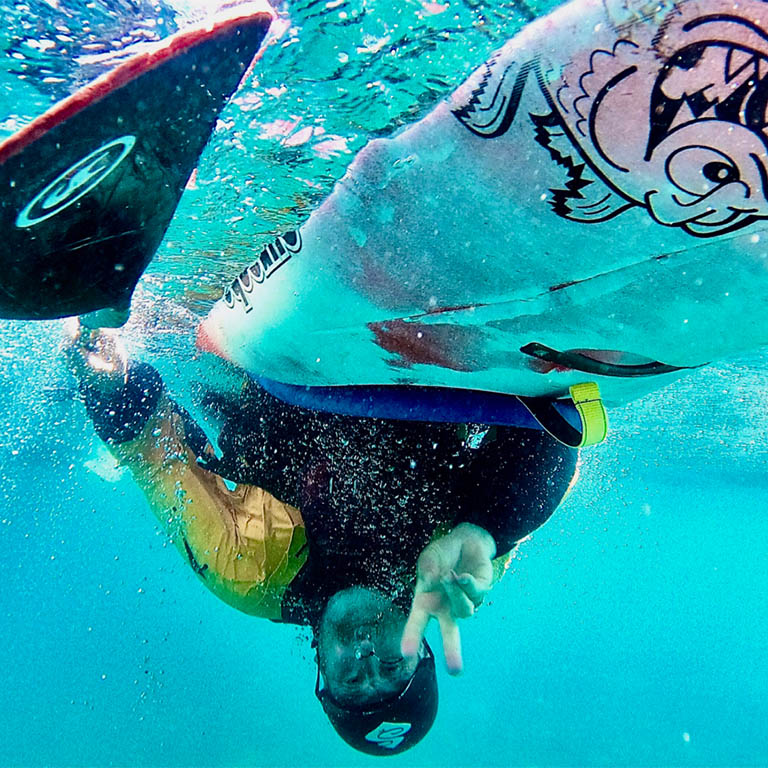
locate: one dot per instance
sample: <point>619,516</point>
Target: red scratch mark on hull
<point>444,345</point>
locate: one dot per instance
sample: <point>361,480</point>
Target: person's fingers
<point>431,568</point>
<point>476,562</point>
<point>95,357</point>
<point>474,589</point>
<point>72,328</point>
<point>449,630</point>
<point>75,354</point>
<point>460,603</point>
<point>79,342</point>
<point>414,629</point>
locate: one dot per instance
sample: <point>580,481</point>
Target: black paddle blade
<point>87,191</point>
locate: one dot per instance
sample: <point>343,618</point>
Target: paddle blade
<point>87,190</point>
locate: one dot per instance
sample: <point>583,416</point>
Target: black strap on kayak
<point>594,419</point>
<point>578,362</point>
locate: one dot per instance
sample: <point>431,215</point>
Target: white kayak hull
<point>599,186</point>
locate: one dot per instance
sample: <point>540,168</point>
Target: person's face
<point>359,648</point>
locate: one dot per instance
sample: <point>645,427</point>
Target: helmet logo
<point>388,735</point>
<point>78,180</point>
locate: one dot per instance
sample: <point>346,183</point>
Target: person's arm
<point>245,545</point>
<point>513,483</point>
<point>509,486</point>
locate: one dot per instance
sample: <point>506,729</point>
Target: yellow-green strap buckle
<point>594,419</point>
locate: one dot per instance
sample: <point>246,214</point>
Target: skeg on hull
<point>88,189</point>
<point>591,205</point>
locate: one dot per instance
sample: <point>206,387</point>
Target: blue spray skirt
<point>434,404</point>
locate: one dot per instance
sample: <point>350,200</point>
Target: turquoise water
<point>632,628</point>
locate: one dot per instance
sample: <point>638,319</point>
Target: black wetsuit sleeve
<point>120,414</point>
<point>513,483</point>
<point>265,442</point>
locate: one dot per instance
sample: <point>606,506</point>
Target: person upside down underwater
<point>362,529</point>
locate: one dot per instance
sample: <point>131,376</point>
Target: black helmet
<point>392,725</point>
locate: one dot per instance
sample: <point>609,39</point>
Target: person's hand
<point>454,574</point>
<point>94,356</point>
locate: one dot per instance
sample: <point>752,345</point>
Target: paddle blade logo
<point>78,180</point>
<point>388,735</point>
